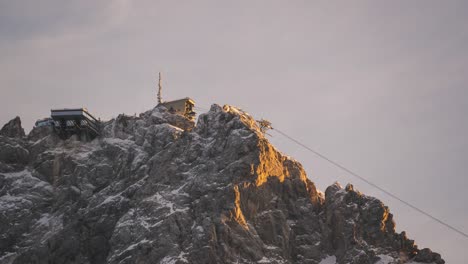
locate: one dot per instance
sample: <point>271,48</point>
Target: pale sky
<point>380,86</point>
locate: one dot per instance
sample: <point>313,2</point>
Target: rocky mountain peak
<point>13,129</point>
<point>156,188</point>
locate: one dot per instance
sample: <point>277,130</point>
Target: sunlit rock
<point>156,188</point>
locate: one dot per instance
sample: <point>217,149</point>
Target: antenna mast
<point>159,90</point>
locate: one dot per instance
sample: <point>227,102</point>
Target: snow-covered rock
<point>155,188</point>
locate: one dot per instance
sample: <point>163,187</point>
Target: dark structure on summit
<point>182,107</point>
<point>78,121</point>
<point>44,122</point>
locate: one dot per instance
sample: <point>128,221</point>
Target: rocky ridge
<point>159,189</point>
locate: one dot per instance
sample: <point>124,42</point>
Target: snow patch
<point>9,202</point>
<point>271,260</point>
<point>264,260</point>
<point>53,224</point>
<point>384,259</point>
<point>158,198</point>
<point>44,220</point>
<point>112,198</point>
<point>270,247</point>
<point>178,191</point>
<point>130,248</point>
<point>124,144</point>
<point>175,259</point>
<point>9,256</point>
<point>139,159</point>
<point>157,112</point>
<point>328,260</point>
<point>133,246</point>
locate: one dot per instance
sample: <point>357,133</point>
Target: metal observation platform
<point>77,121</point>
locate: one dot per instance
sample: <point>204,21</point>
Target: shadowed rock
<point>13,129</point>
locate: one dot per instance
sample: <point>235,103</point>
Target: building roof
<point>179,100</point>
<point>71,112</point>
<point>69,109</point>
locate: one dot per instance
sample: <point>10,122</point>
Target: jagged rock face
<point>158,189</point>
<point>13,129</point>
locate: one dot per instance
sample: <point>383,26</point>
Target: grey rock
<point>426,255</point>
<point>13,129</point>
<point>14,154</point>
<point>38,133</point>
<point>156,188</point>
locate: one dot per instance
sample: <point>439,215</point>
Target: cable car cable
<point>336,164</point>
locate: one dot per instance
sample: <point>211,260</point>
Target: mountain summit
<point>159,189</point>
